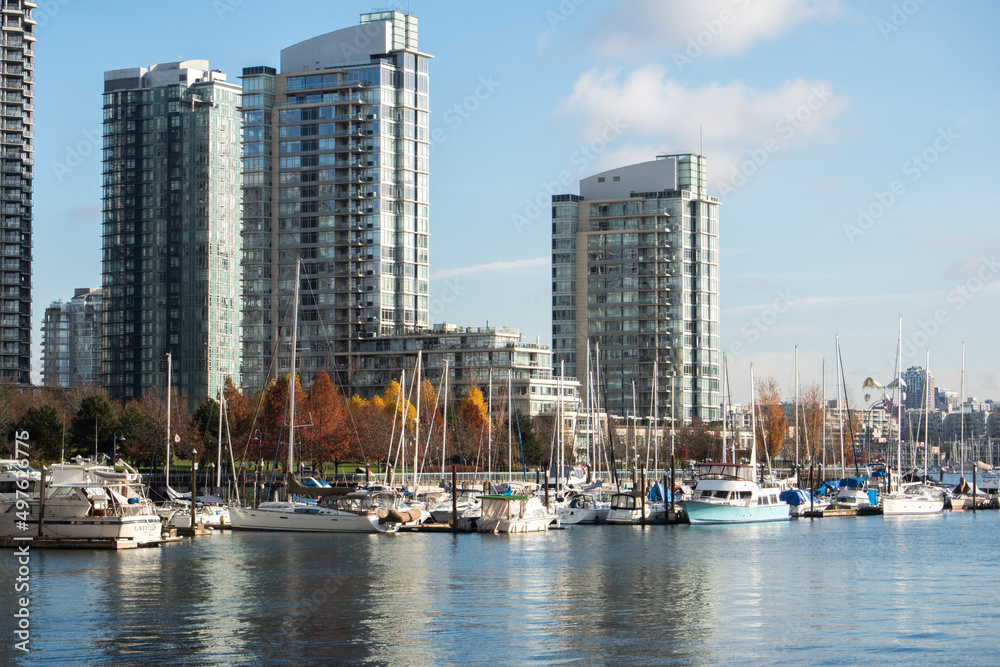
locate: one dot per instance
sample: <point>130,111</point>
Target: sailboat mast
<point>961,414</point>
<point>753,427</point>
<point>291,374</point>
<point>927,410</point>
<point>824,413</point>
<point>724,411</point>
<point>840,410</point>
<point>899,405</point>
<point>416,427</point>
<point>510,429</point>
<point>796,413</point>
<point>489,429</point>
<point>169,436</point>
<point>444,423</point>
<point>656,415</point>
<point>218,468</point>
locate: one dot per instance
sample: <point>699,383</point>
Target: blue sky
<point>852,143</point>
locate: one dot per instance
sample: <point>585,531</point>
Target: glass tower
<point>71,340</point>
<point>18,42</point>
<point>635,265</point>
<point>336,173</point>
<point>171,229</point>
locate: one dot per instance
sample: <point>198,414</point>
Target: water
<point>830,591</point>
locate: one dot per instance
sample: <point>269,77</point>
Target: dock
<point>98,543</point>
<point>842,511</point>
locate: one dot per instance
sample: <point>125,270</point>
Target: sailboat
<point>914,497</point>
<point>730,492</point>
<point>358,512</point>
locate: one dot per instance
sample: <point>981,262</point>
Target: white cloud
<point>638,28</point>
<point>660,115</point>
<point>492,267</point>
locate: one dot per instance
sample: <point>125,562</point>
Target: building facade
<point>171,230</point>
<point>475,357</point>
<point>917,380</point>
<point>18,41</point>
<point>336,171</point>
<point>71,340</point>
<point>635,274</point>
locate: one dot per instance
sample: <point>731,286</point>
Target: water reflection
<point>790,592</point>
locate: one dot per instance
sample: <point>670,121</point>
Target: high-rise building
<point>917,393</point>
<point>635,271</point>
<point>18,45</point>
<point>336,170</point>
<point>71,340</point>
<point>171,229</point>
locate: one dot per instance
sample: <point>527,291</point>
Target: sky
<point>852,143</point>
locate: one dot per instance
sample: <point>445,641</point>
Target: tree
<point>698,441</point>
<point>772,426</point>
<point>328,438</point>
<point>811,422</point>
<point>238,416</point>
<point>471,427</point>
<point>138,426</point>
<point>274,415</point>
<point>94,418</point>
<point>45,431</point>
<point>531,446</point>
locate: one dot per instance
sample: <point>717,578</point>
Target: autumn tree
<point>772,425</point>
<point>273,418</point>
<point>811,422</point>
<point>472,423</point>
<point>239,416</point>
<point>328,436</point>
<point>373,431</point>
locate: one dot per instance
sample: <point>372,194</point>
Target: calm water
<point>831,591</point>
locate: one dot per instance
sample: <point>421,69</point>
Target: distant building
<point>71,340</point>
<point>18,33</point>
<point>917,380</point>
<point>635,270</point>
<point>474,355</point>
<point>172,169</point>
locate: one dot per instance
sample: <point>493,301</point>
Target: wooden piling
<point>642,520</point>
<point>454,500</point>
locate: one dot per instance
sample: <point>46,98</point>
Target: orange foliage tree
<point>328,436</point>
<point>772,425</point>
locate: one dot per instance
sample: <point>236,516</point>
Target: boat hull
<point>141,529</point>
<point>906,506</point>
<point>244,518</point>
<point>710,513</point>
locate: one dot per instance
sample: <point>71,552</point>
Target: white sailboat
<point>916,497</point>
<point>359,512</point>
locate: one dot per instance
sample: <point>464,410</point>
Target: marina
<point>690,595</point>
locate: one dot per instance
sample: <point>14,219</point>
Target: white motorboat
<point>914,498</point>
<point>468,499</point>
<point>86,501</point>
<point>583,508</point>
<point>729,493</point>
<point>626,509</point>
<point>358,512</point>
<point>514,514</point>
<point>854,493</point>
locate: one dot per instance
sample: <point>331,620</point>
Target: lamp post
<point>209,474</point>
<point>118,437</point>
